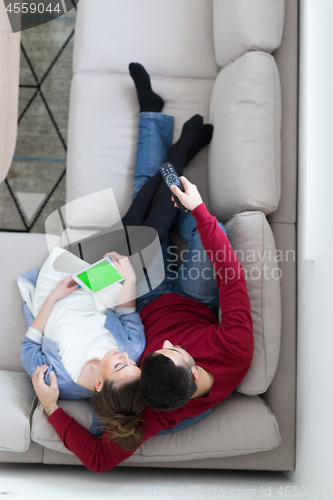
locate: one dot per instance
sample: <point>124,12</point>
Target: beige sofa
<point>212,57</point>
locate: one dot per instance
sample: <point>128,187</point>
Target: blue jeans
<point>195,277</point>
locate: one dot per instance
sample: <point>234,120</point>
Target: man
<point>213,358</point>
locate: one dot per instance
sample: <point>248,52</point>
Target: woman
<point>113,376</point>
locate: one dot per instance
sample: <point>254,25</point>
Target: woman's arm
<point>64,288</point>
<point>127,297</point>
<point>44,314</point>
<point>32,352</point>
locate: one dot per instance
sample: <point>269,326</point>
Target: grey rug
<point>35,185</point>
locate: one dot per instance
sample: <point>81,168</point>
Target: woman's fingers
<point>115,255</point>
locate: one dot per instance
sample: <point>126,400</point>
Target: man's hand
<point>191,198</point>
<point>122,264</point>
<point>47,394</point>
<point>64,288</point>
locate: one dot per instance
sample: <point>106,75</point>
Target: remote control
<point>170,177</point>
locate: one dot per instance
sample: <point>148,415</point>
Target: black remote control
<point>170,177</point>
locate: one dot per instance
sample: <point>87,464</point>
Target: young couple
<point>190,362</point>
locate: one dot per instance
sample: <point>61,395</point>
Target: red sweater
<point>224,350</point>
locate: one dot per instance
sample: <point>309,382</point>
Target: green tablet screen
<point>100,276</point>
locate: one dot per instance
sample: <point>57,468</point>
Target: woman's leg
<point>145,182</point>
<point>155,138</point>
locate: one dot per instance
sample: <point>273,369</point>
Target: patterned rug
<point>36,183</point>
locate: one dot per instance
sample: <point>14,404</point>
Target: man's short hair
<point>166,386</point>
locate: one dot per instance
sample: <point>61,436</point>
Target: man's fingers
<point>38,375</point>
<point>53,379</point>
<point>176,190</point>
<point>39,369</point>
<point>184,180</point>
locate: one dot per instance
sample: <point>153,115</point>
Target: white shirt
<point>76,322</point>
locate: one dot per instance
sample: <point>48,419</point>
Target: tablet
<point>98,276</point>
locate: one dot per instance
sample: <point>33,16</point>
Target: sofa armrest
<point>18,401</point>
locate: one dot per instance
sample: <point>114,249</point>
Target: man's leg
<point>195,277</point>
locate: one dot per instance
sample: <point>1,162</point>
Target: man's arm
<point>236,332</point>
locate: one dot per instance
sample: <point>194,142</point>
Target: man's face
<point>177,354</point>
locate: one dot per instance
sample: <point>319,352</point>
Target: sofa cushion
<point>242,25</point>
<point>102,138</point>
<point>43,432</point>
<point>19,253</point>
<point>244,164</point>
<point>170,38</point>
<point>237,426</point>
<point>253,242</point>
<point>17,398</point>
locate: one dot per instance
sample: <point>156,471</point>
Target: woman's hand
<point>64,288</point>
<point>122,264</point>
<point>47,394</point>
<point>190,198</point>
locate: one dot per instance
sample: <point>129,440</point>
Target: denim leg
<point>167,283</point>
<point>196,278</point>
<point>154,140</point>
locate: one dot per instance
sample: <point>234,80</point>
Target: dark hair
<point>121,406</point>
<point>165,386</point>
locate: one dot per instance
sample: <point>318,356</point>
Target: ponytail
<point>121,406</point>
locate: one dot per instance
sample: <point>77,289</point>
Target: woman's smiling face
<point>116,366</point>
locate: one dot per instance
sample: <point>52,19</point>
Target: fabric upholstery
<point>286,57</point>
<point>17,403</point>
<point>131,31</point>
<point>244,164</point>
<point>238,425</point>
<point>19,253</point>
<point>243,25</point>
<point>33,455</point>
<point>42,431</point>
<point>281,395</point>
<point>252,240</point>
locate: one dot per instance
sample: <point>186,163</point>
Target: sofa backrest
<point>182,45</point>
<point>242,25</point>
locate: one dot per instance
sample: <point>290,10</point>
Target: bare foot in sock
<point>148,100</point>
<point>177,153</point>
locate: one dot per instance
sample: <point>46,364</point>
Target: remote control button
<point>172,179</point>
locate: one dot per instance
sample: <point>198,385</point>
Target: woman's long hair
<point>121,406</point>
